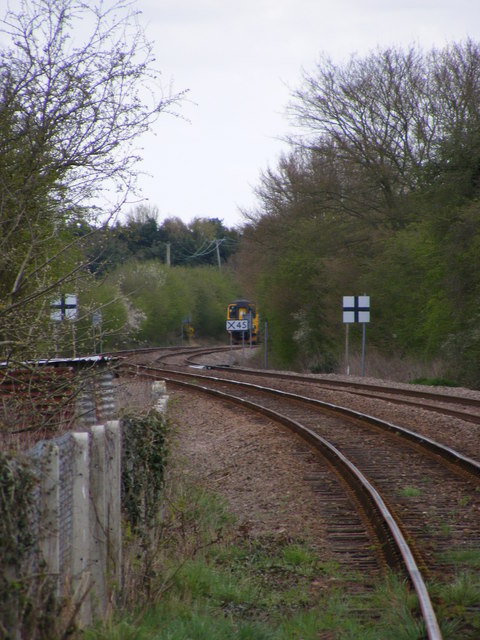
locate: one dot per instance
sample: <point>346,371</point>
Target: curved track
<point>436,401</point>
<point>401,528</point>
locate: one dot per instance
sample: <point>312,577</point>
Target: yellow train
<point>242,310</point>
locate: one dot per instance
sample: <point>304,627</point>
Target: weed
<point>464,558</point>
<point>409,492</point>
<point>464,591</point>
<point>459,605</point>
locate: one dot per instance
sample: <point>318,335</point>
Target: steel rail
<point>359,386</point>
<point>363,489</point>
<point>461,415</point>
<point>365,390</point>
<point>447,453</point>
<point>199,351</point>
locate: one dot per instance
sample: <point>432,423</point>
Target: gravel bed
<point>253,463</point>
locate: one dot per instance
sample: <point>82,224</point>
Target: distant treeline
<point>203,241</point>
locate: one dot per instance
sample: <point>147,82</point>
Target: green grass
<point>215,609</point>
<point>458,604</point>
<point>409,492</point>
<point>215,585</point>
<point>464,558</point>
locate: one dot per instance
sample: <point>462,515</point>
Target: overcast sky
<point>238,60</point>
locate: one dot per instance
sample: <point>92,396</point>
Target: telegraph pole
<point>168,254</point>
<point>218,254</point>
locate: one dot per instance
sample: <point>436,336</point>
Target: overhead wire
<point>205,249</point>
<point>188,256</point>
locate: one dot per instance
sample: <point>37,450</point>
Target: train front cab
<point>237,310</point>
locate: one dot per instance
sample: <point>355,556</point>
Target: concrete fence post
<point>159,395</point>
<point>49,511</point>
<point>80,576</point>
<point>98,520</point>
<point>113,470</point>
<point>158,389</point>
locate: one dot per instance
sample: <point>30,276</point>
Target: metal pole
<point>231,349</point>
<point>347,365</point>
<point>55,337</point>
<point>363,349</point>
<point>74,338</point>
<point>243,348</point>
<point>265,347</point>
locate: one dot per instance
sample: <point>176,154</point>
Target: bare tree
<point>395,120</point>
<point>78,86</point>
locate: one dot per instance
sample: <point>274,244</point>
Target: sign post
<point>249,318</point>
<point>64,308</point>
<point>265,344</point>
<point>243,348</point>
<point>97,329</point>
<point>355,309</point>
<point>347,364</point>
<point>363,349</point>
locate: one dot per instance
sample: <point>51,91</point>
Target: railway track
<point>464,408</point>
<point>390,479</point>
<point>381,399</point>
<point>449,404</point>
